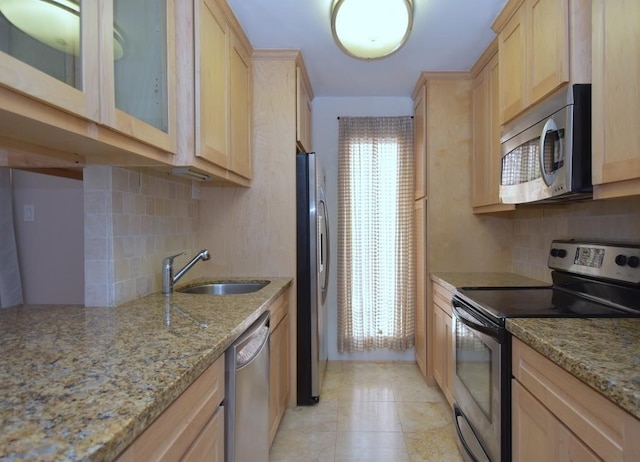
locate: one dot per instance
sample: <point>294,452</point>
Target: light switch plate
<point>29,212</point>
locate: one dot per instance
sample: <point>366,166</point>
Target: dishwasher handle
<point>249,346</point>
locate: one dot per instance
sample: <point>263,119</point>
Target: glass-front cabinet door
<point>139,70</point>
<point>109,61</point>
<point>49,51</point>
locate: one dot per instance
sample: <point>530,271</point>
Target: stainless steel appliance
<point>246,418</point>
<point>590,280</point>
<point>312,276</point>
<point>546,152</point>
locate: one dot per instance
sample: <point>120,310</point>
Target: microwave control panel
<point>620,262</point>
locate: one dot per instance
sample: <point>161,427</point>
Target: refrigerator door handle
<point>324,249</point>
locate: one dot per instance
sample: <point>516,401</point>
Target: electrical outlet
<point>195,190</point>
<point>29,213</point>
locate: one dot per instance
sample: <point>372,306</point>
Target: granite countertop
<point>82,383</point>
<point>603,353</point>
<point>454,281</point>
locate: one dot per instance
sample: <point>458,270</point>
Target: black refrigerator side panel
<point>303,281</point>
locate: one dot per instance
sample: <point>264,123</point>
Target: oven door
<point>478,388</point>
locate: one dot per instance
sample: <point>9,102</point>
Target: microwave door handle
<point>549,126</point>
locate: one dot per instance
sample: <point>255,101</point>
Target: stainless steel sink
<point>225,288</point>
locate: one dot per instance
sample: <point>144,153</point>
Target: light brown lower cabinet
<point>190,429</point>
<point>557,417</point>
<point>278,363</point>
<point>443,340</point>
<point>209,445</point>
<point>420,282</point>
<point>539,436</point>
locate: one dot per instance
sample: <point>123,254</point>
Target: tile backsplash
<point>616,220</point>
<point>132,220</point>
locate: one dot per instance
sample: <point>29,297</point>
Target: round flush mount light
<point>53,22</point>
<point>371,29</point>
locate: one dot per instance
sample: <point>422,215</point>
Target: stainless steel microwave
<point>546,152</point>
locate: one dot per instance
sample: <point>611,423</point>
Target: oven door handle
<point>477,324</point>
<point>457,415</point>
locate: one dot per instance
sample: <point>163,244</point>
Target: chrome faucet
<point>168,279</point>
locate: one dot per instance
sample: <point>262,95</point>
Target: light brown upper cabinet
<point>64,74</point>
<point>419,143</point>
<point>542,45</point>
<point>616,98</point>
<point>138,95</point>
<point>486,134</point>
<point>240,101</point>
<point>304,96</point>
<point>223,106</point>
<point>116,70</point>
<point>512,66</point>
<point>215,91</point>
<point>212,83</point>
<point>547,46</point>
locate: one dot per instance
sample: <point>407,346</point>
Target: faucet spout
<point>168,278</point>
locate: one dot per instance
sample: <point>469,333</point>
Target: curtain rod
<point>380,116</point>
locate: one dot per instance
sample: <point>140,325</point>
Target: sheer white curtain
<point>10,282</point>
<point>375,226</point>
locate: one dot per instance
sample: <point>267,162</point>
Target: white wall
<point>51,247</point>
<point>326,110</point>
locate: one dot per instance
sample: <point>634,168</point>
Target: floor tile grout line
<point>350,377</point>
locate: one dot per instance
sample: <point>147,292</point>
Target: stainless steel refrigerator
<point>312,276</point>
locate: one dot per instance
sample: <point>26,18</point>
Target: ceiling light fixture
<point>53,22</point>
<point>371,29</point>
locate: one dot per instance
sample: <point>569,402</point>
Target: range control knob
<point>621,260</point>
<point>562,253</point>
<point>554,252</point>
<point>633,262</point>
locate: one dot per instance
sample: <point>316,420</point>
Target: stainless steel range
<point>590,280</point>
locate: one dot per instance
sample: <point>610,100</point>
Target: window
<point>375,246</point>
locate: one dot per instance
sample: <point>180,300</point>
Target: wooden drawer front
<point>171,434</point>
<point>210,442</point>
<point>539,436</point>
<point>607,428</point>
<point>442,298</point>
<point>279,309</point>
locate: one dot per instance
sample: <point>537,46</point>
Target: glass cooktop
<point>499,303</point>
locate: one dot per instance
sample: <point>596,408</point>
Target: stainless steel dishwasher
<point>247,395</point>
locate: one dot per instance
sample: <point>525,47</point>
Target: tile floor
<point>369,412</point>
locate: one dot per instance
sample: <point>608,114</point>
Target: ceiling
<point>447,35</point>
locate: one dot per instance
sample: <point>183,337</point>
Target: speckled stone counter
<point>82,383</point>
<point>604,353</point>
<point>453,281</point>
